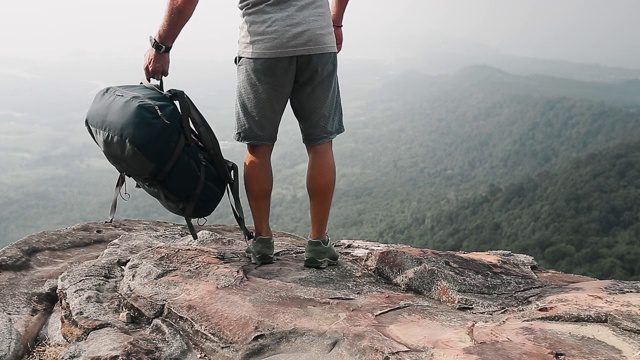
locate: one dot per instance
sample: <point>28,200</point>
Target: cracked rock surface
<point>147,290</point>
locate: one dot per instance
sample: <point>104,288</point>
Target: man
<point>286,53</point>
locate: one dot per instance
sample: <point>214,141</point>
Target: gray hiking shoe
<point>320,253</point>
<point>261,250</point>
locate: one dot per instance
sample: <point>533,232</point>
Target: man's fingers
<point>149,75</point>
<point>156,65</point>
<point>155,74</point>
<point>338,34</point>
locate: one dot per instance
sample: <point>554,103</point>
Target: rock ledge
<point>146,290</point>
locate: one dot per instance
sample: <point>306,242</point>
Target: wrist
<point>158,46</point>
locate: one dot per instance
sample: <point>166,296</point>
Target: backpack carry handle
<point>160,87</point>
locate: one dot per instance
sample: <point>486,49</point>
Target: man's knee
<point>260,151</point>
<point>321,149</point>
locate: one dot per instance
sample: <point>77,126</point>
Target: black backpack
<point>170,151</point>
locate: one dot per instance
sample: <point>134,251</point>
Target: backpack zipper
<point>143,99</point>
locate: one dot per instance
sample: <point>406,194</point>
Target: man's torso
<point>276,28</point>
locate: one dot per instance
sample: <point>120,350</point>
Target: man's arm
<point>338,8</point>
<point>176,16</point>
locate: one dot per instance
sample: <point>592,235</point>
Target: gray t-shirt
<point>276,28</point>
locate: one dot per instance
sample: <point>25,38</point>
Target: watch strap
<point>158,46</point>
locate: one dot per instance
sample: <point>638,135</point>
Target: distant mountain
<point>564,69</point>
<point>493,81</point>
<point>438,54</point>
<point>621,91</point>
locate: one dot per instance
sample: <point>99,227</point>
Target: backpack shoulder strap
<point>192,115</point>
<point>228,170</point>
<point>236,205</point>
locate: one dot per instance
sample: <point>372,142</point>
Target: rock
<point>126,317</point>
<point>486,282</point>
<point>10,339</point>
<point>29,271</point>
<point>152,292</point>
<point>160,341</point>
<point>51,330</point>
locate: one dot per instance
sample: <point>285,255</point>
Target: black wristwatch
<point>160,48</point>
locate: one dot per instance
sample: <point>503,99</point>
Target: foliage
<point>582,218</point>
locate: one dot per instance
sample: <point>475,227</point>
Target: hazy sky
<point>591,31</point>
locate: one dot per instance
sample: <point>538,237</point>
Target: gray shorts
<point>265,85</point>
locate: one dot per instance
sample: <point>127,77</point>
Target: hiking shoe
<point>320,253</point>
<point>261,250</point>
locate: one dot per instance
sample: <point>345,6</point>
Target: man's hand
<point>338,32</point>
<point>156,65</point>
<point>338,8</point>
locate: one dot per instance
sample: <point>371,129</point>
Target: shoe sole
<point>261,260</point>
<point>319,264</point>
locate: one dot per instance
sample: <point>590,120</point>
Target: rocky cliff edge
<point>147,290</point>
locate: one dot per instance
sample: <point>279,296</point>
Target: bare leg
<point>321,181</point>
<point>258,183</point>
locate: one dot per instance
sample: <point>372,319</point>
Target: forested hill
<point>583,218</point>
<point>454,135</point>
